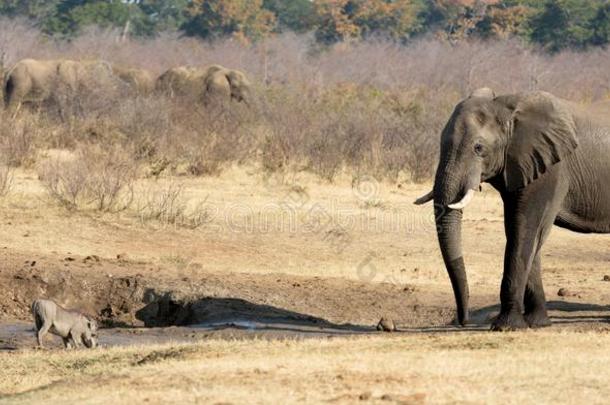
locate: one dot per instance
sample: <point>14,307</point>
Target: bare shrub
<point>19,137</point>
<point>64,180</point>
<point>6,179</point>
<point>94,178</point>
<point>16,37</point>
<point>358,128</point>
<point>168,205</point>
<point>208,139</point>
<point>373,108</point>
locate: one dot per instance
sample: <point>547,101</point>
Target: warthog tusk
<point>463,202</point>
<point>424,199</point>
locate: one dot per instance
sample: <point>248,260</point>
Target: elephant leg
<point>529,214</point>
<point>536,314</point>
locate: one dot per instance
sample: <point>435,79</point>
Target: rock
<point>564,292</point>
<point>606,278</point>
<point>365,396</point>
<point>386,325</point>
<point>418,398</point>
<point>91,258</point>
<point>409,289</point>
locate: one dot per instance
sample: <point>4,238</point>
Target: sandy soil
<point>279,293</point>
<point>289,251</point>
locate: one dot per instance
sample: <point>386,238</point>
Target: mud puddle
<point>20,335</point>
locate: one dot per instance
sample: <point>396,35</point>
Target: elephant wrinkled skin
<point>140,81</point>
<point>33,80</point>
<point>209,85</point>
<point>548,159</point>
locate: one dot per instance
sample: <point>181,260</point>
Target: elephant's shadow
<point>219,313</point>
<point>560,312</point>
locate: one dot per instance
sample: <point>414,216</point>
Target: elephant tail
<point>8,88</point>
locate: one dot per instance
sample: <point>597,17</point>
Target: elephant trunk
<point>449,231</point>
<point>448,188</point>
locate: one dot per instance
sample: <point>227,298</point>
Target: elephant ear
<point>543,133</point>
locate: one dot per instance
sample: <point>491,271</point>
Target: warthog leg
<point>42,331</point>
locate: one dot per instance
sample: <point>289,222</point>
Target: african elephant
<point>33,80</point>
<point>181,81</point>
<point>209,85</point>
<point>226,84</point>
<point>140,81</point>
<point>548,159</point>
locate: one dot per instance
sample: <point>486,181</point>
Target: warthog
<point>73,327</point>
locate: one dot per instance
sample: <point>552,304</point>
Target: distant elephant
<point>140,81</point>
<point>226,84</point>
<point>208,85</point>
<point>549,160</point>
<point>33,80</point>
<point>181,81</point>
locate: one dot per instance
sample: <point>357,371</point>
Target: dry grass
<point>167,205</point>
<point>247,232</point>
<point>440,368</point>
<point>374,108</point>
<point>299,225</point>
<point>101,179</point>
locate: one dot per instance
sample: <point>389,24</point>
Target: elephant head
<point>508,141</point>
<point>226,84</point>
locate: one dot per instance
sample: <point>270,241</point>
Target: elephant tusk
<point>424,199</point>
<point>463,202</point>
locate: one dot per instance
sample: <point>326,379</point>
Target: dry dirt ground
<point>276,297</point>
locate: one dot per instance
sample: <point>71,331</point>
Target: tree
<point>564,24</point>
<point>71,16</point>
<point>600,25</point>
<point>336,21</point>
<point>456,20</point>
<point>398,19</point>
<point>354,19</point>
<point>295,15</point>
<point>37,10</point>
<point>244,19</point>
<point>504,19</point>
<point>164,15</point>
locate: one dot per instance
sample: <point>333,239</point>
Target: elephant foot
<point>509,322</point>
<point>537,319</point>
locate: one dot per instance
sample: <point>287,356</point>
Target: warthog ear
<point>543,133</point>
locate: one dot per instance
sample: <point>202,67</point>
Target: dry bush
<point>93,178</point>
<point>65,181</point>
<point>357,128</point>
<point>374,108</point>
<point>19,137</point>
<point>168,206</point>
<point>6,179</point>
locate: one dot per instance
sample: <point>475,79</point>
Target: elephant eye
<point>478,148</point>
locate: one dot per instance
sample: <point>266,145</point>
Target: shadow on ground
<point>559,312</point>
<point>212,312</point>
<point>169,320</point>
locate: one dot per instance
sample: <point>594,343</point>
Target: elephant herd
<point>37,81</point>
